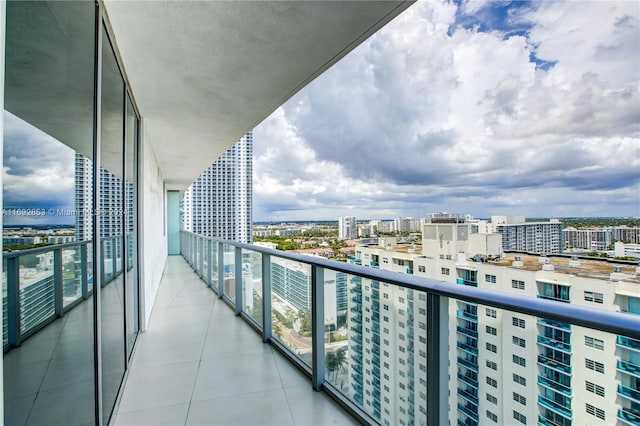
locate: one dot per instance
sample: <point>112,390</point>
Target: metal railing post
<point>220,269</point>
<point>433,359</point>
<point>201,245</point>
<point>84,274</point>
<point>317,326</point>
<point>13,301</point>
<point>238,279</point>
<point>267,322</point>
<point>57,282</point>
<point>209,262</point>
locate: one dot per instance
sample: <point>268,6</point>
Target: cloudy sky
<point>38,173</point>
<point>528,108</point>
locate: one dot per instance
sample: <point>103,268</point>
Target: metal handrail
<point>611,322</point>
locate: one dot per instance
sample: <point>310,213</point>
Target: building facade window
<point>591,296</point>
<point>517,284</point>
<point>519,379</point>
<point>518,322</point>
<point>490,278</point>
<point>593,388</point>
<point>519,361</point>
<point>519,341</point>
<point>594,365</point>
<point>595,411</point>
<point>519,417</point>
<point>519,398</point>
<point>592,342</point>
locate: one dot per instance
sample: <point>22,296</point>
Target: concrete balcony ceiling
<point>204,73</point>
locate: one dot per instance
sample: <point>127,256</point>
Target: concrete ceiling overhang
<point>203,73</point>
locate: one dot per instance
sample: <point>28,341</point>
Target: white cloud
<point>431,115</point>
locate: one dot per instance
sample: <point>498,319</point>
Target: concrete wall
<point>153,230</point>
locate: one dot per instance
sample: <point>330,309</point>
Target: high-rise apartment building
<point>347,227</point>
<point>599,238</point>
<point>533,237</point>
<point>116,201</point>
<point>504,367</point>
<point>219,203</point>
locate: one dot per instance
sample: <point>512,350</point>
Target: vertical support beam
<point>57,282</point>
<point>209,261</point>
<point>98,260</point>
<point>317,326</point>
<point>433,359</point>
<point>201,246</point>
<point>84,274</point>
<point>13,301</point>
<point>267,323</point>
<point>238,280</point>
<point>220,269</point>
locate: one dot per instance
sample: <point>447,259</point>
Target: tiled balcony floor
<point>199,364</point>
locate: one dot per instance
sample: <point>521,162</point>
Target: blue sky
<point>491,107</point>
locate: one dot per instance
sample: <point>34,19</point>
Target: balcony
<point>629,368</point>
<point>554,344</point>
<point>553,364</point>
<point>629,417</point>
<point>193,325</point>
<point>468,364</point>
<point>555,407</point>
<point>628,393</point>
<point>465,331</point>
<point>628,343</point>
<point>469,410</point>
<point>198,363</point>
<point>554,324</point>
<point>555,386</point>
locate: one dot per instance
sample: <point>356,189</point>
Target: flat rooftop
<point>599,269</point>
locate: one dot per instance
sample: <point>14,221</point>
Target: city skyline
<point>512,108</point>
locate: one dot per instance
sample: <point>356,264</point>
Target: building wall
<point>509,361</point>
<point>153,228</point>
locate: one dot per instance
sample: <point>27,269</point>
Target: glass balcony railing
<point>555,344</point>
<point>553,364</point>
<point>468,364</point>
<point>628,343</point>
<point>629,368</point>
<point>467,332</point>
<point>554,385</point>
<point>470,316</point>
<point>629,417</point>
<point>631,394</point>
<point>346,350</point>
<point>41,284</point>
<point>470,380</point>
<point>554,324</point>
<point>469,410</point>
<point>554,406</point>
